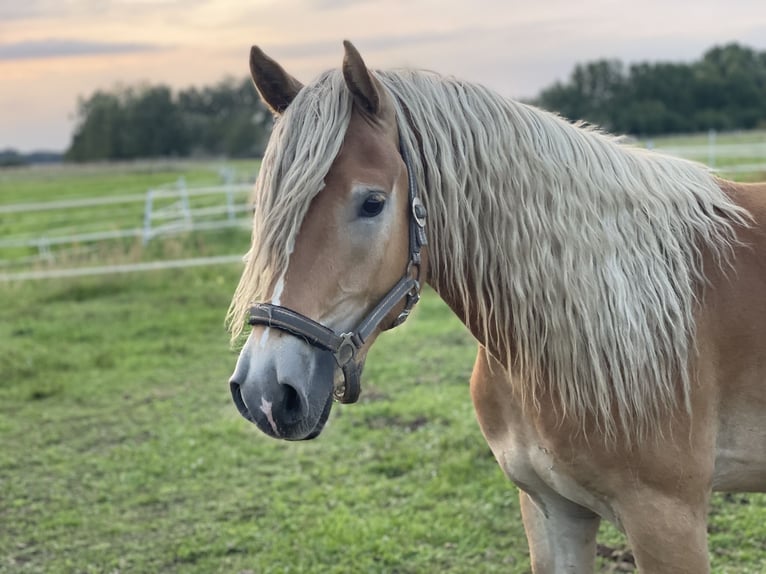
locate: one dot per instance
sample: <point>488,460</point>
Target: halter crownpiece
<point>345,346</point>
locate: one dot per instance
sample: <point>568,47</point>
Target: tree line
<point>227,119</point>
<point>724,90</point>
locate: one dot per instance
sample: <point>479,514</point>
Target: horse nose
<point>282,406</point>
<point>285,387</point>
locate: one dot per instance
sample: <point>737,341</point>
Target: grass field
<point>722,138</point>
<point>122,451</point>
<point>736,155</point>
<point>62,183</point>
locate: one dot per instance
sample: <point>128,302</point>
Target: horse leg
<point>561,534</point>
<point>668,535</point>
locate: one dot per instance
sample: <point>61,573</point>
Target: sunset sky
<point>52,51</point>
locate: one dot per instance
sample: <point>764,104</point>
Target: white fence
<point>178,216</point>
<point>166,211</point>
<point>733,158</point>
<point>126,268</point>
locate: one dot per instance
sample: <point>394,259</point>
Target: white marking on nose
<point>266,410</point>
<point>280,286</point>
<point>264,338</point>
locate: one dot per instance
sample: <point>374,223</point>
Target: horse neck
<point>463,163</point>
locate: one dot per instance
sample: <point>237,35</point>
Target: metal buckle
<point>346,350</point>
<point>402,317</point>
<point>412,299</point>
<point>418,211</point>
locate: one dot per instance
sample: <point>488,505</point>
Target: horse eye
<point>372,206</point>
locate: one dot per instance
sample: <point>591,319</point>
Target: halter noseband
<point>345,346</point>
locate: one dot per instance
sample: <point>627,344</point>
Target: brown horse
<point>618,297</point>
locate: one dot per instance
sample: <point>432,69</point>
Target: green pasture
<point>728,152</point>
<point>121,450</point>
<point>62,183</point>
<point>723,138</point>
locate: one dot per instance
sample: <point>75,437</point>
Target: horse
<point>616,295</point>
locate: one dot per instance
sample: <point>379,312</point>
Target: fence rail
<point>126,268</point>
<point>70,203</point>
<point>723,157</point>
<point>178,217</point>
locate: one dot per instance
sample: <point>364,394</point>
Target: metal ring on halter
<point>346,351</point>
<point>351,388</point>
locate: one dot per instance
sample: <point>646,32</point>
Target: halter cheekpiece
<point>345,346</point>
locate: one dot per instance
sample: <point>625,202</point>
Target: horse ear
<point>276,87</point>
<point>359,80</point>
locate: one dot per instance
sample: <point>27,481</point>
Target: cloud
<point>55,48</point>
<point>365,43</point>
<point>23,10</point>
<point>336,4</point>
<point>88,9</point>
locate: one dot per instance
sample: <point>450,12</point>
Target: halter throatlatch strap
<point>345,346</point>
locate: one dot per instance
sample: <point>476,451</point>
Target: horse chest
<point>545,475</point>
<point>548,475</point>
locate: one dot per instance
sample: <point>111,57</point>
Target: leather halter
<point>345,346</point>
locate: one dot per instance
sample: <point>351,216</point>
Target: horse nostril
<point>236,395</point>
<point>292,400</point>
<point>287,406</point>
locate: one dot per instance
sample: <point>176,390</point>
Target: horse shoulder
<point>732,338</point>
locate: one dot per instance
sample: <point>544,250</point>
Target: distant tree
<point>226,119</point>
<point>656,99</point>
<point>98,134</point>
<point>726,89</point>
<point>149,121</point>
<point>11,158</point>
<point>590,92</point>
<point>153,125</point>
<point>732,80</point>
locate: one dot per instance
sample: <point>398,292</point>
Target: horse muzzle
<point>286,392</point>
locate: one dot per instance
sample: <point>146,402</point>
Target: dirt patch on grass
<point>619,559</point>
<point>409,424</point>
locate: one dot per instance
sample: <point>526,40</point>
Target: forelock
<point>302,147</point>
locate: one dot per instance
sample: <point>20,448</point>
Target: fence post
<point>44,249</point>
<point>228,182</point>
<point>711,148</point>
<point>148,216</point>
<point>184,193</point>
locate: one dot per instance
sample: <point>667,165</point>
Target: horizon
<point>519,51</point>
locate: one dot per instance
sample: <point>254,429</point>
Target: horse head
<point>351,252</point>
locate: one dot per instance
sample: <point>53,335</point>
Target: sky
<point>54,51</point>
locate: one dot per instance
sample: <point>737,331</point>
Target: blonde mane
<point>581,254</point>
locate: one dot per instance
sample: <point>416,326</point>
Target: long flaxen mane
<point>585,253</point>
